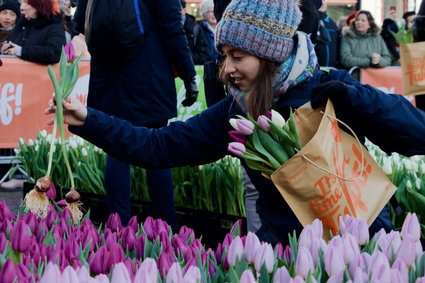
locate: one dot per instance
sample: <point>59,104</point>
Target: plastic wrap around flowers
<point>264,144</point>
<point>53,249</point>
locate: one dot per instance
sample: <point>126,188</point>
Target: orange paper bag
<point>333,175</point>
<point>412,59</point>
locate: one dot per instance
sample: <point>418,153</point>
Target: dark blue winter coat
<point>143,91</point>
<point>388,120</point>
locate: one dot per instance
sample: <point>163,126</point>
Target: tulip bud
<point>148,227</point>
<point>235,251</point>
<point>193,274</point>
<point>186,233</point>
<point>51,274</point>
<point>148,272</point>
<point>282,275</point>
<point>8,272</point>
<point>247,277</point>
<point>407,251</point>
<point>4,211</point>
<point>140,246</point>
<point>21,237</point>
<point>69,275</point>
<point>236,148</point>
<point>98,261</point>
<point>334,260</point>
<point>265,256</point>
<point>133,224</point>
<point>263,122</point>
<point>304,264</point>
<point>72,248</point>
<point>115,255</point>
<point>252,244</point>
<point>69,52</point>
<point>120,274</point>
<point>411,227</point>
<point>237,136</point>
<point>128,238</point>
<point>277,118</point>
<point>164,263</point>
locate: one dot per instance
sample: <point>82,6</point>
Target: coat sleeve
<point>385,54</point>
<point>167,14</point>
<point>49,51</point>
<point>348,60</point>
<point>200,140</point>
<point>201,50</point>
<point>388,120</point>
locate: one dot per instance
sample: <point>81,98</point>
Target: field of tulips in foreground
<point>54,249</point>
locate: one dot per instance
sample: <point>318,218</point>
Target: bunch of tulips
<point>55,249</point>
<point>264,144</point>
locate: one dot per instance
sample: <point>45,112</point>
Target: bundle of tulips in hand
<point>264,144</point>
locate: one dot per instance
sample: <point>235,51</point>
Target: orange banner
<point>25,89</point>
<point>386,79</point>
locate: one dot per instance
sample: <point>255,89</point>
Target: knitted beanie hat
<point>12,5</point>
<point>261,27</point>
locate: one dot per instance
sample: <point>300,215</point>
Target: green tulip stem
<point>52,147</point>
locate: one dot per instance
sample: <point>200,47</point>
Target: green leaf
<point>264,277</point>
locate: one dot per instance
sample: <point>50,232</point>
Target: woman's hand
<point>375,58</point>
<point>74,112</point>
<point>10,48</point>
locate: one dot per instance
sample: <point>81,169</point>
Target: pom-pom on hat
<point>12,5</point>
<point>264,28</point>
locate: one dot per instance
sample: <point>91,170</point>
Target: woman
<point>39,35</point>
<point>9,13</point>
<point>266,68</point>
<point>362,46</point>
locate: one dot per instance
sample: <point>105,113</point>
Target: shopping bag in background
<point>412,59</point>
<point>333,175</point>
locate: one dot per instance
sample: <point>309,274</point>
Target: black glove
<point>335,90</point>
<point>191,92</point>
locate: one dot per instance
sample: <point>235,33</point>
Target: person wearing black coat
<point>418,30</point>
<point>198,43</point>
<point>38,36</point>
<point>388,25</point>
<point>388,120</point>
<point>143,92</point>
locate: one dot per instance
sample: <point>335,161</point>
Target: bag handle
<point>326,170</point>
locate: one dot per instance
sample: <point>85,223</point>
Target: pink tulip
<point>389,243</point>
<point>98,261</point>
<point>114,222</point>
<point>265,256</point>
<point>351,248</point>
<point>407,251</point>
<point>304,263</point>
<point>174,274</point>
<point>297,279</point>
<point>356,227</point>
<point>334,258</point>
<point>110,238</point>
<point>236,148</point>
<point>72,248</point>
<point>69,275</point>
<point>402,269</point>
<point>411,227</point>
<point>21,237</point>
<point>164,240</point>
<point>359,276</point>
<point>282,275</point>
<point>8,272</point>
<point>101,278</point>
<point>381,273</point>
<point>252,243</point>
<point>379,265</point>
<point>247,277</point>
<point>4,211</point>
<point>186,234</point>
<point>83,274</point>
<point>263,122</point>
<point>70,52</point>
<point>120,274</point>
<point>148,272</point>
<point>193,274</point>
<point>131,267</point>
<point>420,280</point>
<point>336,278</point>
<point>237,136</point>
<point>51,274</point>
<point>133,224</point>
<point>310,238</point>
<point>235,252</point>
<point>246,127</point>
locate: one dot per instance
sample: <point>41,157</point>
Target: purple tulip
<point>120,274</point>
<point>287,253</point>
<point>282,275</point>
<point>8,272</point>
<point>140,246</point>
<point>235,252</point>
<point>164,263</point>
<point>133,224</point>
<point>304,263</point>
<point>237,136</point>
<point>219,253</point>
<point>51,274</point>
<point>3,242</point>
<point>351,248</point>
<point>4,211</point>
<point>407,251</point>
<point>115,255</point>
<point>265,256</point>
<point>148,227</point>
<point>24,274</point>
<point>380,271</point>
<point>311,238</point>
<point>51,192</point>
<point>41,230</point>
<point>236,148</point>
<point>98,261</point>
<point>164,240</point>
<point>420,280</point>
<point>247,277</point>
<point>174,274</point>
<point>21,237</point>
<point>72,248</point>
<point>148,272</point>
<point>356,227</point>
<point>70,52</point>
<point>193,274</point>
<point>252,244</point>
<point>69,275</point>
<point>411,227</point>
<point>244,126</point>
<point>389,243</point>
<point>131,267</point>
<point>31,220</point>
<point>62,203</point>
<point>129,238</point>
<point>187,234</point>
<point>263,122</point>
<point>161,226</point>
<point>337,278</point>
<point>334,258</point>
<point>114,222</point>
<point>179,245</point>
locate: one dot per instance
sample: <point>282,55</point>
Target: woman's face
<point>242,67</point>
<point>28,11</point>
<point>362,23</point>
<point>409,21</point>
<point>7,18</point>
<point>210,18</point>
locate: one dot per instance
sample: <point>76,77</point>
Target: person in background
<point>260,77</point>
<point>361,44</point>
<point>143,92</point>
<point>9,14</point>
<point>408,18</point>
<point>328,40</point>
<point>209,24</point>
<point>310,20</point>
<point>418,30</point>
<point>390,25</point>
<point>39,35</point>
<point>198,43</point>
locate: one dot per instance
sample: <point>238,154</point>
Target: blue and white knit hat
<point>261,27</point>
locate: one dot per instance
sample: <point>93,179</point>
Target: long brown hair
<point>259,98</point>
